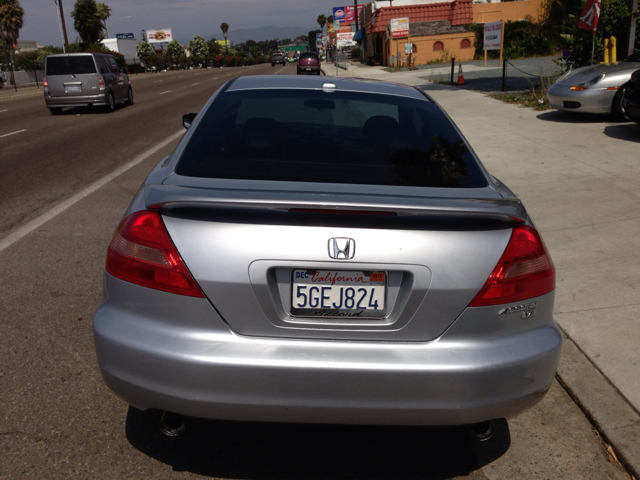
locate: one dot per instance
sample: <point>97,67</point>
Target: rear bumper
<point>187,369</point>
<point>78,101</point>
<point>308,69</point>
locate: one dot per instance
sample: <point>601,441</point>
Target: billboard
<point>339,15</point>
<point>349,13</point>
<point>159,36</point>
<point>399,27</point>
<point>492,35</point>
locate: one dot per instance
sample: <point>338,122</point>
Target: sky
<point>185,18</point>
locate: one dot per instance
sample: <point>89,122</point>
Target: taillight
<point>524,271</point>
<point>100,80</point>
<point>141,252</point>
<point>44,82</point>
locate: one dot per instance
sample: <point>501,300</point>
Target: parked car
<point>594,89</point>
<point>631,101</point>
<point>277,57</point>
<point>84,79</point>
<point>308,63</point>
<point>385,278</point>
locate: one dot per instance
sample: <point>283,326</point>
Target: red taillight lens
<point>141,252</point>
<point>100,80</point>
<point>44,82</point>
<point>524,271</point>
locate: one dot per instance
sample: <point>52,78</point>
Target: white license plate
<point>73,88</point>
<point>338,293</point>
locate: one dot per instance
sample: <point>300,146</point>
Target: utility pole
<point>355,3</point>
<point>64,27</point>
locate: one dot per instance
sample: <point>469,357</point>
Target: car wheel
<point>55,110</point>
<point>130,97</point>
<point>273,64</point>
<point>111,105</point>
<point>617,109</point>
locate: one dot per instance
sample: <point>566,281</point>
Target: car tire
<point>617,110</point>
<point>55,110</point>
<point>130,97</point>
<point>273,64</point>
<point>111,102</point>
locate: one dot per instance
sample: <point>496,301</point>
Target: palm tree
<point>322,20</point>
<point>12,18</point>
<point>104,12</point>
<point>224,26</point>
<point>87,21</point>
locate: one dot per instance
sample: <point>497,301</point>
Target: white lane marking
<point>195,84</point>
<point>13,133</point>
<point>215,78</point>
<point>3,111</point>
<point>58,209</point>
<point>157,81</point>
<point>162,93</point>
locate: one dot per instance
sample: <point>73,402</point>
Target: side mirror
<point>187,119</point>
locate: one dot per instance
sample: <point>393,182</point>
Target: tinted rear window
<point>78,65</point>
<point>339,137</point>
<point>309,55</point>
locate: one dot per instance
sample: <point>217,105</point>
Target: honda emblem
<point>342,248</point>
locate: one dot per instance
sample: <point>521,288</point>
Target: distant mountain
<point>258,34</point>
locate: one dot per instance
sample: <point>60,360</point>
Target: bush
<point>218,60</point>
<point>229,61</point>
<point>521,39</point>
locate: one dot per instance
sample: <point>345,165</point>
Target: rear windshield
<point>77,65</point>
<point>309,55</point>
<point>337,137</point>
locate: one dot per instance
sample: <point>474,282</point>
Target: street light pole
<point>106,27</point>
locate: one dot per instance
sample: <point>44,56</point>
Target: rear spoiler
<point>169,197</point>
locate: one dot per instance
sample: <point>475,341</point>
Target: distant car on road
<point>385,278</point>
<point>631,102</point>
<point>308,63</point>
<point>277,57</point>
<point>594,89</point>
<point>84,79</point>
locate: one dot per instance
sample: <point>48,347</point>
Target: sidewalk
<point>579,176</point>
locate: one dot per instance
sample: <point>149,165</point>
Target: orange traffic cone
<point>460,76</point>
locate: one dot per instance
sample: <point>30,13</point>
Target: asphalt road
<point>58,420</point>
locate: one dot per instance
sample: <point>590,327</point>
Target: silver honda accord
<point>372,272</point>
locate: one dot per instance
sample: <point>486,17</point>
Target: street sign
<point>125,35</point>
<point>297,48</point>
<point>408,48</point>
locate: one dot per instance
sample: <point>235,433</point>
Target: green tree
<point>322,20</point>
<point>174,51</point>
<point>198,48</point>
<point>12,19</point>
<point>87,21</point>
<point>214,47</point>
<point>145,52</point>
<point>312,39</point>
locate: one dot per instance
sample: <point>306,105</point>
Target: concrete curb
<point>602,403</point>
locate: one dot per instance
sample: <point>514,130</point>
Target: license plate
<point>308,69</point>
<point>345,294</point>
<point>73,88</point>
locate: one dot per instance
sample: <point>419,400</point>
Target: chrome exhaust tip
<point>483,431</point>
<point>171,424</point>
